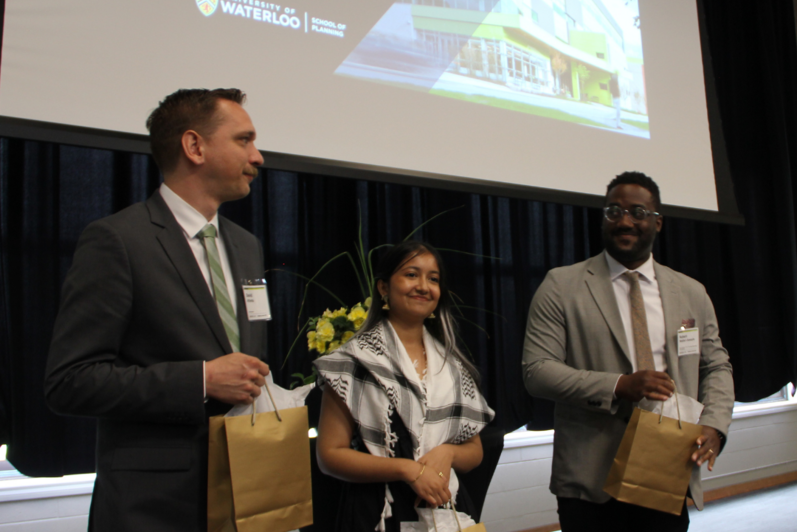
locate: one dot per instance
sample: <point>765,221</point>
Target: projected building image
<point>574,60</point>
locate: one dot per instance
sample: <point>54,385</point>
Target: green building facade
<point>563,48</point>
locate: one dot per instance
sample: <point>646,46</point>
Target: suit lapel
<point>172,239</point>
<point>233,254</point>
<point>600,286</point>
<point>671,303</point>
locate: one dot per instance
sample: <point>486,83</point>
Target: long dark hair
<point>444,326</point>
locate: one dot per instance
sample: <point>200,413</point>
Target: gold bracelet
<point>423,468</point>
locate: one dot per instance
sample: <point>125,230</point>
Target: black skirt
<point>361,504</point>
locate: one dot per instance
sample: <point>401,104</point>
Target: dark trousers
<point>576,515</point>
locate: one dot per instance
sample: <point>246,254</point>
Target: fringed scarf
<point>374,376</point>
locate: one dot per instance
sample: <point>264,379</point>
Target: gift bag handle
<point>276,410</point>
<point>453,509</point>
<point>677,407</point>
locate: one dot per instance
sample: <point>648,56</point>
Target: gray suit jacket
<point>575,350</point>
<point>136,321</point>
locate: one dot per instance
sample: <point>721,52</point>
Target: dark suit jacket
<point>136,321</point>
<point>575,350</point>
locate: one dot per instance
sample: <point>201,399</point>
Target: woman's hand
<point>461,458</point>
<point>429,486</point>
<point>439,460</point>
<point>432,485</point>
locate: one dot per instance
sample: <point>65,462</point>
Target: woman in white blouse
<point>401,411</point>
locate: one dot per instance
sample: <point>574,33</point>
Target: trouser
<point>576,515</point>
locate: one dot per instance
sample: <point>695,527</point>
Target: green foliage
<point>346,320</point>
<point>302,380</point>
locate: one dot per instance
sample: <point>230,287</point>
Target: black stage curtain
<point>50,192</point>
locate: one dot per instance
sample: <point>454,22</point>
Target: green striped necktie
<point>208,236</point>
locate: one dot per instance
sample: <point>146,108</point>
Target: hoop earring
<point>386,306</point>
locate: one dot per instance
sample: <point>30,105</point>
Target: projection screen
<point>528,98</point>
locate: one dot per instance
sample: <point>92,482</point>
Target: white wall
<point>761,443</point>
<point>45,504</point>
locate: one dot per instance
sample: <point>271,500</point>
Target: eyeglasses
<point>613,213</point>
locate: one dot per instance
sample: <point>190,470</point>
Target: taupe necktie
<point>639,324</point>
<point>208,236</point>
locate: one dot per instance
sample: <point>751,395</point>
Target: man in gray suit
<point>584,351</point>
<point>153,334</point>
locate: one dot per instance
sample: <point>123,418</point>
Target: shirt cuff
<point>614,394</point>
<point>204,383</point>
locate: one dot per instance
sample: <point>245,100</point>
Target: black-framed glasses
<point>613,213</point>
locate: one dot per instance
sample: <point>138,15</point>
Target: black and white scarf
<point>374,376</point>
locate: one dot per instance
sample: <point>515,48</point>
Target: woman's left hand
<point>439,460</point>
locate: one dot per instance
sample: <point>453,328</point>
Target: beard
<point>624,253</point>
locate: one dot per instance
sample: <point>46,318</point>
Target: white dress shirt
<point>192,222</point>
<point>654,310</point>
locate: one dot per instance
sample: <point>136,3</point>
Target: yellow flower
<point>324,330</point>
<point>357,317</point>
<point>346,337</point>
<point>311,340</point>
<point>334,345</point>
<point>321,346</point>
<point>327,314</point>
<point>367,303</point>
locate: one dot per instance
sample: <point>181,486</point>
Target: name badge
<point>688,342</point>
<point>256,299</point>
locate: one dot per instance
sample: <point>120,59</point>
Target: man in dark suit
<point>602,335</point>
<point>153,334</point>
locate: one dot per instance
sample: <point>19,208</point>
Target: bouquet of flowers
<point>334,328</point>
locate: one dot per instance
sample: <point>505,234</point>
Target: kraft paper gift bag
<point>221,514</point>
<point>268,459</point>
<point>653,463</point>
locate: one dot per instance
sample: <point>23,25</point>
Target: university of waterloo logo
<point>207,7</point>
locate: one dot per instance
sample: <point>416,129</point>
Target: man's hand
<point>653,385</point>
<point>709,443</point>
<point>235,378</point>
